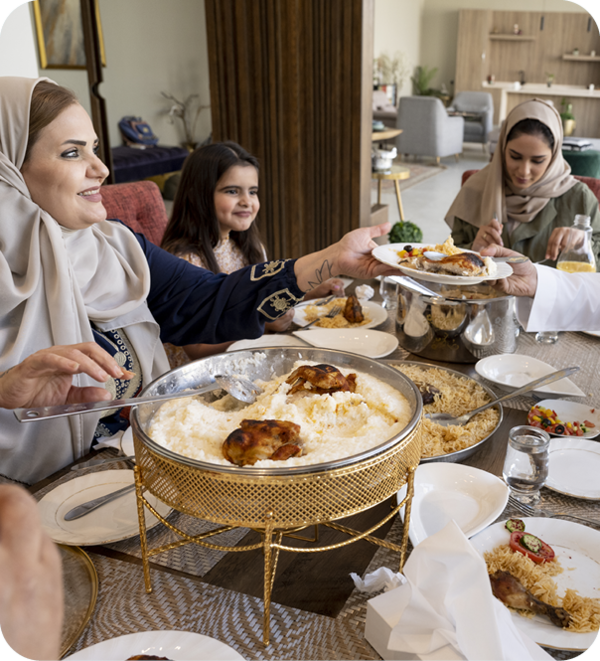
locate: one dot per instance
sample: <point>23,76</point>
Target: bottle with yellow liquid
<point>577,256</point>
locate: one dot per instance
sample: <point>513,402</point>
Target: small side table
<point>396,175</point>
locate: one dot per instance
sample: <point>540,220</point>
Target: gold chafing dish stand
<point>276,502</point>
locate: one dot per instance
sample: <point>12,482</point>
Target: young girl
<point>212,226</point>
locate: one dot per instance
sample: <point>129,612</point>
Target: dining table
<point>316,611</point>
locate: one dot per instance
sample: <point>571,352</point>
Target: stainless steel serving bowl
<point>460,325</point>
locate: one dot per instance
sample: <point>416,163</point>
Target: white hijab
<point>53,282</point>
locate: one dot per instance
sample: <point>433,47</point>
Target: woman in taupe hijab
<point>525,198</point>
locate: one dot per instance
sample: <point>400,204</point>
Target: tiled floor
<point>427,203</point>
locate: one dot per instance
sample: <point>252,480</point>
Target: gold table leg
<point>142,524</point>
<point>400,210</point>
<point>379,191</point>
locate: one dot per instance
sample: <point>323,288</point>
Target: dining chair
<point>139,204</point>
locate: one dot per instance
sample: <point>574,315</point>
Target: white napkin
<point>110,442</point>
<point>381,579</point>
<point>446,609</point>
<point>364,292</point>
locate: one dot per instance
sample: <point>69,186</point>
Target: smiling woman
<point>68,276</point>
<point>525,198</point>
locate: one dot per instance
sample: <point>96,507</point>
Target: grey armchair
<point>427,130</point>
<point>477,128</point>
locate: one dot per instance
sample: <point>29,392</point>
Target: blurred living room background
<point>437,76</point>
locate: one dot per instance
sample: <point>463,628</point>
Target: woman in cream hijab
<point>70,277</point>
<point>525,198</point>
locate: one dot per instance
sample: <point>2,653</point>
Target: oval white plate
<point>514,370</point>
<point>592,333</point>
<point>578,549</point>
<point>573,411</point>
<point>574,467</point>
<point>275,340</point>
<point>176,645</point>
<point>376,312</point>
<point>444,491</point>
<point>388,254</point>
<point>369,343</point>
<point>110,523</point>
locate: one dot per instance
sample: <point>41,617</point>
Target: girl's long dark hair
<point>194,225</point>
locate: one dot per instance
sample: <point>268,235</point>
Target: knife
<point>91,505</point>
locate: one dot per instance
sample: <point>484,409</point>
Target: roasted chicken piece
<point>262,439</point>
<point>465,263</point>
<point>512,593</point>
<point>323,379</point>
<point>353,310</point>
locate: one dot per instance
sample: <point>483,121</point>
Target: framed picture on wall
<point>59,31</point>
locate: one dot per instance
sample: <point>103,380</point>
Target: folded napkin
<point>445,609</point>
<point>110,442</point>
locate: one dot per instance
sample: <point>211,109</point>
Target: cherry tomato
<point>545,554</point>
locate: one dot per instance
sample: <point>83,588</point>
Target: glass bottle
<point>577,256</point>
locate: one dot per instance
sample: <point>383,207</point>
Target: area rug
<point>418,173</point>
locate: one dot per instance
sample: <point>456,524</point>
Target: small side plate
<point>574,466</point>
<point>568,411</point>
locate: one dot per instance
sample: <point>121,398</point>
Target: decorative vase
<point>568,126</point>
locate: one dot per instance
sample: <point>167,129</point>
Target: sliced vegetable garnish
<point>545,553</point>
<point>513,525</point>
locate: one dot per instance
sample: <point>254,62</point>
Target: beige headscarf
<point>53,282</point>
<point>490,191</point>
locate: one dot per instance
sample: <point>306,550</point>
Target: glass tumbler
<point>546,337</point>
<point>526,464</point>
<point>389,293</point>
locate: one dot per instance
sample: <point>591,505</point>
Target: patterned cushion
<point>139,205</point>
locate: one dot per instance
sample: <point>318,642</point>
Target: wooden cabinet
<point>473,31</point>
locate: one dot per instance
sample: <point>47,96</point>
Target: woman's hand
<point>281,324</point>
<point>333,286</point>
<point>46,377</point>
<point>522,282</point>
<point>31,593</point>
<point>487,235</point>
<point>560,238</point>
<point>351,255</point>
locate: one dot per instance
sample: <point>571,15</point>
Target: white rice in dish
<point>331,426</point>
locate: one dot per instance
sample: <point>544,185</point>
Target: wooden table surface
<point>315,582</point>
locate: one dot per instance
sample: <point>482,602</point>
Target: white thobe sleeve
<point>562,302</point>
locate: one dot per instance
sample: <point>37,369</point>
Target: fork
<point>537,511</point>
<point>334,310</point>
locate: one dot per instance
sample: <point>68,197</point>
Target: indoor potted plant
<point>568,119</point>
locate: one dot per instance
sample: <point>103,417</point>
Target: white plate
<point>388,254</point>
<point>573,411</point>
<point>443,491</point>
<point>275,340</point>
<point>127,442</point>
<point>376,312</point>
<point>513,371</point>
<point>369,343</point>
<point>176,645</point>
<point>574,467</point>
<point>592,333</point>
<point>578,549</point>
<point>110,523</point>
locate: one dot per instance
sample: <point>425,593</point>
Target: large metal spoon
<point>513,259</point>
<point>236,386</point>
<point>445,419</point>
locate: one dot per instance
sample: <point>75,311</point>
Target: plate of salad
<point>560,417</point>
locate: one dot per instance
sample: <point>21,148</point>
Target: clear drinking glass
<point>546,337</point>
<point>526,463</point>
<point>389,293</point>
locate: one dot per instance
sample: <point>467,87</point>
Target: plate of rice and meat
<point>456,266</point>
<point>372,314</point>
<point>564,575</point>
<point>447,391</point>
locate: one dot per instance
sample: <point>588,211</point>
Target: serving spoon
<point>445,419</point>
<point>236,386</point>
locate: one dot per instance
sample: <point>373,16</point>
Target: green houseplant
<point>422,79</point>
<point>567,116</point>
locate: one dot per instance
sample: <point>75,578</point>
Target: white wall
<point>18,51</point>
<point>427,30</point>
<point>151,46</point>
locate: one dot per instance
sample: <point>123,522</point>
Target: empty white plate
<point>568,411</point>
<point>444,491</point>
<point>514,370</point>
<point>369,343</point>
<point>275,340</point>
<point>574,467</point>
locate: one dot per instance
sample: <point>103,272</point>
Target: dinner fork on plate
<point>334,310</point>
<point>537,511</point>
